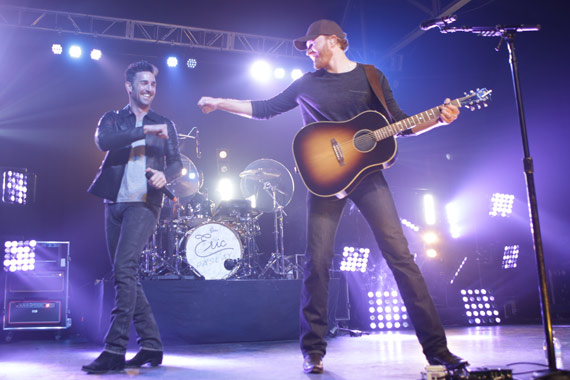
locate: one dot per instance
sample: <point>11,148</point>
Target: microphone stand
<point>508,33</point>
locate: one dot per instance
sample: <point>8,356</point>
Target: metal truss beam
<point>144,31</point>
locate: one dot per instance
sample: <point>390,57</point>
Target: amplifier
<point>31,312</point>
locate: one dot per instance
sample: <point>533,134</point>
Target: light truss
<point>145,31</point>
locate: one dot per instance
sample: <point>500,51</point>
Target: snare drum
<point>211,245</point>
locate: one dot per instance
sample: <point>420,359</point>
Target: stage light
<point>510,256</point>
<point>429,209</point>
<point>296,74</point>
<point>279,73</point>
<point>75,51</point>
<point>431,253</point>
<point>18,186</point>
<point>225,189</point>
<point>395,316</point>
<point>19,256</point>
<point>457,274</point>
<point>484,313</point>
<point>502,205</point>
<point>410,225</point>
<point>57,49</point>
<point>354,259</point>
<point>172,61</point>
<point>223,161</point>
<point>260,71</point>
<point>430,238</point>
<point>96,54</point>
<point>452,213</point>
<point>191,63</point>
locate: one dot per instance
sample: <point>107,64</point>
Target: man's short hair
<point>343,43</point>
<point>137,67</point>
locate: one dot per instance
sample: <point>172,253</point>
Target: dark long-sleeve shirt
<point>325,96</point>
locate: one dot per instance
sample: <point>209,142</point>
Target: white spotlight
<point>75,51</point>
<point>429,209</point>
<point>279,73</point>
<point>191,63</point>
<point>260,71</point>
<point>172,61</point>
<point>96,54</point>
<point>56,49</point>
<point>225,189</point>
<point>296,74</point>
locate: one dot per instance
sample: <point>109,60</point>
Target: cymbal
<point>259,174</point>
<point>269,182</point>
<point>189,183</point>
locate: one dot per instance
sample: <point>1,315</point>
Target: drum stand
<point>278,263</point>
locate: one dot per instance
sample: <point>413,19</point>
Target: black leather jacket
<point>115,133</point>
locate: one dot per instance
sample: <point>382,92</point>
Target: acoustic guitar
<point>333,157</point>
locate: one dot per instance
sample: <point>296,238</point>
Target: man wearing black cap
<point>339,90</point>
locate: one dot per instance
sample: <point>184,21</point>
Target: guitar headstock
<point>475,99</point>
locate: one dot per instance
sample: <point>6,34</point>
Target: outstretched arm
<point>238,107</point>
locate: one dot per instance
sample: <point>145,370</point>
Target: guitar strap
<point>374,82</point>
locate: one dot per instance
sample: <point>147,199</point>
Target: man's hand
<point>208,104</point>
<point>158,180</point>
<point>159,130</point>
<point>448,112</point>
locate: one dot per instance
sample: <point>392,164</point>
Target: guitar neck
<point>410,122</point>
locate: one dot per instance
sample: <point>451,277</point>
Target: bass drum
<point>210,246</point>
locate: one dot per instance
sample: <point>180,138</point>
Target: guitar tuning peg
<point>478,106</point>
<point>485,105</point>
<point>472,108</point>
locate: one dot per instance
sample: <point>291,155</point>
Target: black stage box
<point>217,311</point>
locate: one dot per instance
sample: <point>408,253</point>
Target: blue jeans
<point>374,200</point>
<point>128,227</point>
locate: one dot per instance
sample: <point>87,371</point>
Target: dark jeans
<point>129,227</point>
<point>374,200</point>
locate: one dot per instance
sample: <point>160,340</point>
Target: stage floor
<point>387,355</point>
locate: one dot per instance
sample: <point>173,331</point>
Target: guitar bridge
<point>337,151</point>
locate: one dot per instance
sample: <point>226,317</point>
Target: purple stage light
<point>510,256</point>
<point>17,186</point>
<point>390,316</point>
<point>19,256</point>
<point>354,259</point>
<point>477,312</point>
<point>502,205</point>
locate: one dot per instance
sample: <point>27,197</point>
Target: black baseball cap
<point>320,27</point>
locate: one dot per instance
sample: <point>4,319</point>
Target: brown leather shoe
<point>313,363</point>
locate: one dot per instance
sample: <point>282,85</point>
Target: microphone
<point>439,22</point>
<point>164,190</point>
<point>230,264</point>
<point>198,153</point>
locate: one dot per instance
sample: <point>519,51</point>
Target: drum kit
<point>197,239</point>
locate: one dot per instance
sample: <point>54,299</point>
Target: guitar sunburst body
<point>333,157</point>
<point>327,171</point>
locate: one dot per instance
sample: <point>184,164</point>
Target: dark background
<point>50,105</point>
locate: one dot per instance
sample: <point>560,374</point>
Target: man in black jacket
<point>140,144</point>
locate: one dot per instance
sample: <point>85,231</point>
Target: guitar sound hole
<point>364,140</point>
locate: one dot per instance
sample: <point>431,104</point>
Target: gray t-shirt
<point>134,183</point>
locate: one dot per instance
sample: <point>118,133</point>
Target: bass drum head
<point>208,246</point>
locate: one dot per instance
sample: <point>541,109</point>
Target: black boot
<point>143,357</point>
<point>106,362</point>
